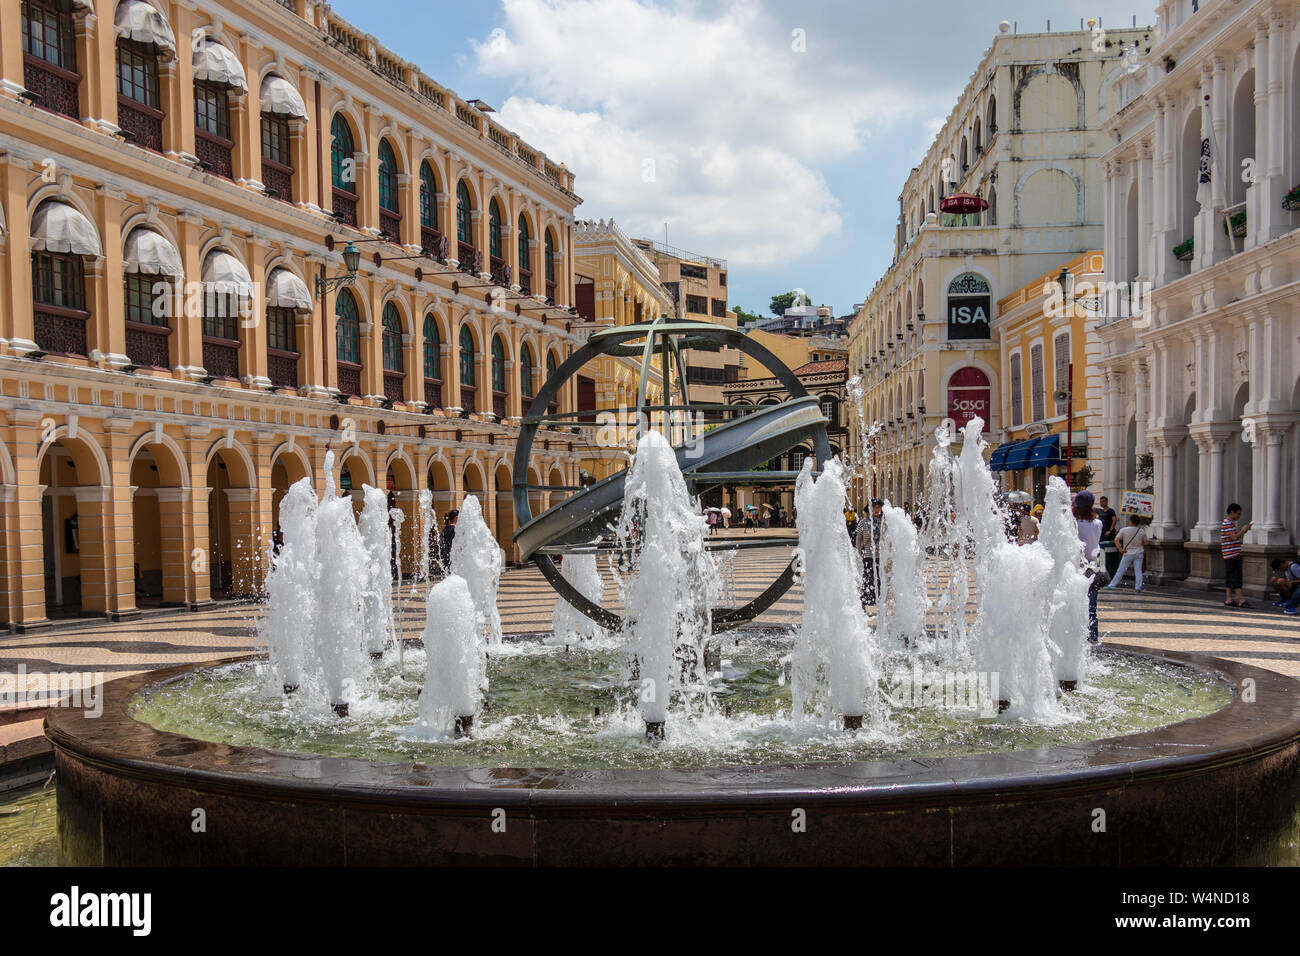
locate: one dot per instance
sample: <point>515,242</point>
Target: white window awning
<point>83,6</point>
<point>59,227</point>
<point>218,64</point>
<point>278,96</point>
<point>151,253</point>
<point>226,275</point>
<point>284,290</point>
<point>141,22</point>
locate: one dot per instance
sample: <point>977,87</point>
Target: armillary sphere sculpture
<point>745,436</point>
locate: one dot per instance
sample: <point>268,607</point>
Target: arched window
<point>550,266</point>
<point>343,169</point>
<point>387,177</point>
<point>59,280</point>
<point>464,215</point>
<point>217,71</point>
<point>390,220</point>
<point>429,235</point>
<point>432,363</point>
<point>281,105</point>
<point>50,55</point>
<point>467,368</point>
<point>394,367</point>
<point>498,377</point>
<point>525,257</point>
<point>139,103</point>
<point>347,329</point>
<point>496,252</point>
<point>550,373</point>
<point>526,371</point>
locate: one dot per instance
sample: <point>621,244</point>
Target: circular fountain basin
<point>1220,788</point>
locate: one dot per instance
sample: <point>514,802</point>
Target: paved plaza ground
<point>92,650</point>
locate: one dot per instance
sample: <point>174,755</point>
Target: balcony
<point>467,398</point>
<point>60,331</point>
<point>345,207</point>
<point>500,271</point>
<point>141,124</point>
<point>499,404</point>
<point>146,345</point>
<point>349,374</point>
<point>282,368</point>
<point>550,292</point>
<point>278,180</point>
<point>526,281</point>
<point>468,257</point>
<point>55,88</point>
<point>221,357</point>
<point>214,152</point>
<point>431,243</point>
<point>393,387</point>
<point>433,392</point>
<point>390,223</point>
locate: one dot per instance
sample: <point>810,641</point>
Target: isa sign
<point>968,317</point>
<point>1138,503</point>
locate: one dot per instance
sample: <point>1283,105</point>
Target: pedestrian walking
<point>448,536</point>
<point>1027,528</point>
<point>1131,543</point>
<point>867,542</point>
<point>1090,534</point>
<point>1230,534</point>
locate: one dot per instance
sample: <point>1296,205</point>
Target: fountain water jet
<point>670,590</point>
<point>455,671</point>
<point>339,621</point>
<point>567,622</point>
<point>478,559</point>
<point>291,587</point>
<point>834,658</point>
<point>377,597</point>
<point>1067,605</point>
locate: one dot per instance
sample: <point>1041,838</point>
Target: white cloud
<point>706,118</point>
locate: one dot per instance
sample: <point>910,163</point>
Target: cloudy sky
<point>771,133</point>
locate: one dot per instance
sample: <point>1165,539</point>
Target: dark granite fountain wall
<point>1221,789</point>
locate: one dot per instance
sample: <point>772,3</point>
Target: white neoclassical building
<point>1203,386</point>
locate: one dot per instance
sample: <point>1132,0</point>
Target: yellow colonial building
<point>615,284</point>
<point>236,236</point>
<point>1048,345</point>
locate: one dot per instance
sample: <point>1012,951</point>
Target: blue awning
<point>999,460</point>
<point>1018,455</point>
<point>1047,453</point>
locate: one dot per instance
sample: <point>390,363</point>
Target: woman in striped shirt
<point>1230,535</point>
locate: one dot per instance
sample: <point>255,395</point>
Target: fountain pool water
<point>927,678</point>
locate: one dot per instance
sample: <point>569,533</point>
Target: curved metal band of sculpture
<point>724,455</point>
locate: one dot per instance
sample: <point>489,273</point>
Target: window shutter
<point>1036,382</point>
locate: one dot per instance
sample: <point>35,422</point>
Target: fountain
<point>634,749</point>
<point>834,660</point>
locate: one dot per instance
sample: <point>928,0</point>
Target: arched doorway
<point>73,501</point>
<point>288,468</point>
<point>400,482</point>
<point>161,545</point>
<point>234,548</point>
<point>506,523</point>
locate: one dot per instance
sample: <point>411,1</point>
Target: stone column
<point>189,321</point>
<point>16,322</point>
<point>247,567</point>
<point>253,361</point>
<point>94,530</point>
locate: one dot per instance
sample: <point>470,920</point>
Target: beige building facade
<point>1202,386</point>
<point>177,180</point>
<point>1024,137</point>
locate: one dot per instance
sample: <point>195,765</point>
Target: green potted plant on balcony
<point>1238,224</point>
<point>1183,251</point>
<point>1291,201</point>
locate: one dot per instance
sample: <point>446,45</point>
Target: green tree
<point>786,299</point>
<point>743,317</point>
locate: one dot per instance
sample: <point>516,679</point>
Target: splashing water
<point>377,594</point>
<point>290,617</point>
<point>455,676</point>
<point>1067,608</point>
<point>669,593</point>
<point>339,622</point>
<point>567,622</point>
<point>834,668</point>
<point>427,535</point>
<point>476,557</point>
<point>903,603</point>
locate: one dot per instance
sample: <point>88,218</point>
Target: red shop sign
<point>968,397</point>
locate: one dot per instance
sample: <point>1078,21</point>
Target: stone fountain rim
<point>1238,732</point>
